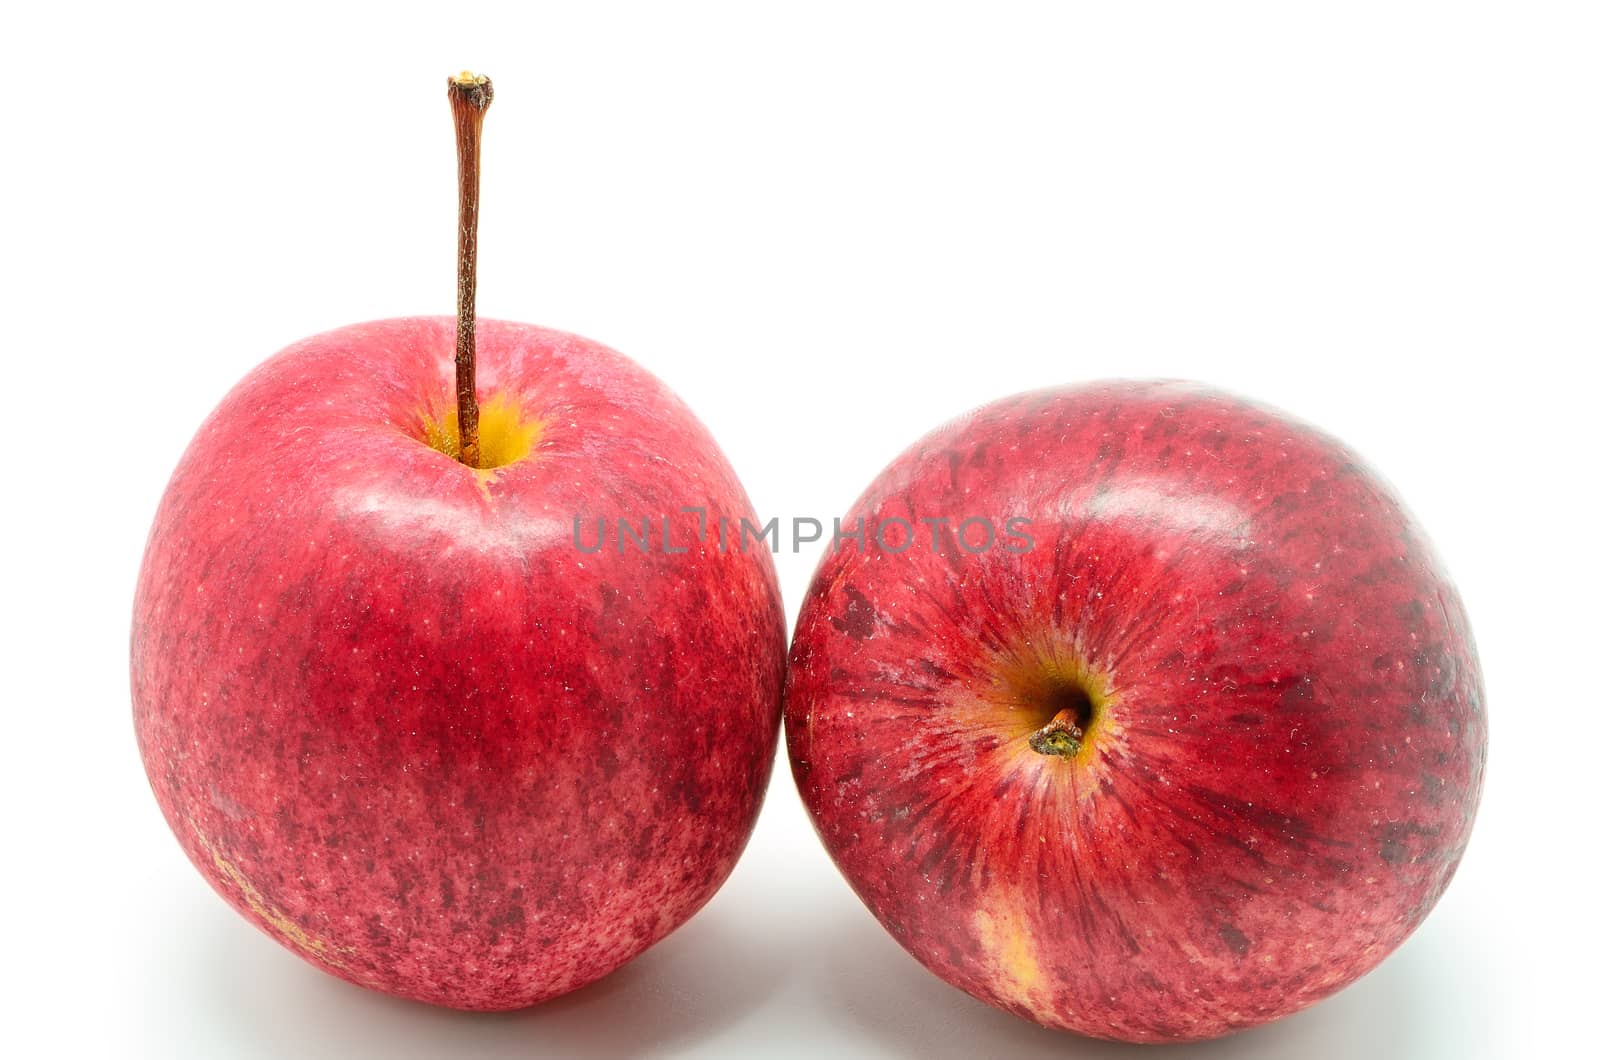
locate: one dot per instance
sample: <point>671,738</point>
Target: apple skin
<point>1285,760</point>
<point>399,721</point>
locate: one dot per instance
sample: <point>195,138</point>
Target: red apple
<point>1204,753</point>
<point>399,719</point>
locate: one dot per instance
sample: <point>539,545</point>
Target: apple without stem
<point>1205,753</point>
<point>398,719</point>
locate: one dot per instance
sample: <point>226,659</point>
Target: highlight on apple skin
<point>1205,753</point>
<point>397,719</point>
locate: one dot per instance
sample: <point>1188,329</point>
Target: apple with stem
<point>1199,744</point>
<point>392,713</point>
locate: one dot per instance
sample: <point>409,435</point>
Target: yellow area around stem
<point>1014,972</point>
<point>1027,677</point>
<point>505,433</point>
<point>296,935</point>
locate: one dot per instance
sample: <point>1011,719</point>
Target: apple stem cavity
<point>1071,708</point>
<point>470,96</point>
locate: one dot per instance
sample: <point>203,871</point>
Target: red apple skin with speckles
<point>1283,740</point>
<point>393,713</point>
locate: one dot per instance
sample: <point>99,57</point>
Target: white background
<point>829,227</point>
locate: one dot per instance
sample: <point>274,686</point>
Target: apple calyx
<point>470,96</point>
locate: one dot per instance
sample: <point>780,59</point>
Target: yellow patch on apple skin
<point>505,435</point>
<point>1015,975</point>
<point>296,935</point>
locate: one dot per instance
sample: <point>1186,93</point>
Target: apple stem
<point>470,96</point>
<point>1061,736</point>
